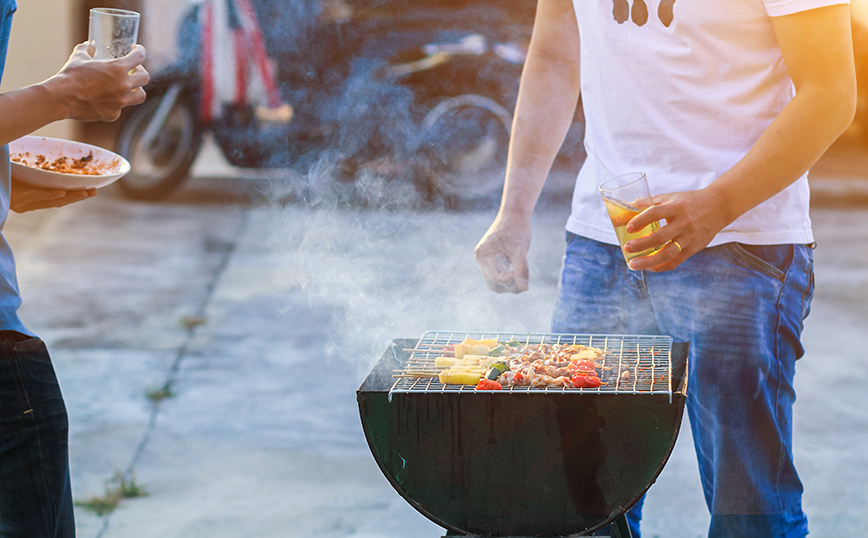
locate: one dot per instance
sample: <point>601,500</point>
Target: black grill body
<point>519,464</point>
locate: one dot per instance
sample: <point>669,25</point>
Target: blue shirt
<point>10,298</point>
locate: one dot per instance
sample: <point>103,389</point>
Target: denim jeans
<point>741,308</point>
<point>35,493</point>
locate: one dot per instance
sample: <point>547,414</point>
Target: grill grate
<point>631,365</point>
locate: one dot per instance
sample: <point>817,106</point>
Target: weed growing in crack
<point>158,394</point>
<point>118,487</point>
<point>191,322</point>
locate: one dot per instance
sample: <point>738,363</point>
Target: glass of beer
<point>112,32</point>
<point>625,197</point>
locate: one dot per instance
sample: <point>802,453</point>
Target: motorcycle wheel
<point>467,138</point>
<point>158,168</point>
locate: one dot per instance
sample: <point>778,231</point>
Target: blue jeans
<point>35,494</point>
<point>741,307</point>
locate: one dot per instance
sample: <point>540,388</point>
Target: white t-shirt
<point>681,90</point>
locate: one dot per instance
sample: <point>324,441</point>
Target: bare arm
<point>84,89</point>
<point>546,103</point>
<point>818,52</point>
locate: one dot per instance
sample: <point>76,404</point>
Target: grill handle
<point>680,352</point>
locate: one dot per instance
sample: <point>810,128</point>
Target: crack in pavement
<point>182,352</point>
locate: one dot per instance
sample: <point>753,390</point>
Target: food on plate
<point>85,165</point>
<point>511,364</point>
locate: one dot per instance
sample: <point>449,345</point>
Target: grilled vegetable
<point>469,346</point>
<point>468,360</point>
<point>445,362</point>
<point>496,351</point>
<point>488,342</point>
<point>584,381</point>
<point>460,377</point>
<point>470,349</point>
<point>496,370</point>
<point>488,384</point>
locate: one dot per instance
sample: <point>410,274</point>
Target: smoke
<point>369,107</point>
<point>356,243</point>
<point>358,130</point>
<point>383,275</point>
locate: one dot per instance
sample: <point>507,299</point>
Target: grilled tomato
<point>488,384</point>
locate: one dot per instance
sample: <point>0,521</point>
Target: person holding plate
<point>723,106</point>
<point>35,492</point>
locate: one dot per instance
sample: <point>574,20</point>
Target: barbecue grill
<point>525,461</point>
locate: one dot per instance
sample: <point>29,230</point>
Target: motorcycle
<point>397,92</point>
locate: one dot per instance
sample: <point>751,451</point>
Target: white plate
<point>112,165</point>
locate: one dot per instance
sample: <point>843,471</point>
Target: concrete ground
<point>263,318</point>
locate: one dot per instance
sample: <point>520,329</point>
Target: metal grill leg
<point>621,528</point>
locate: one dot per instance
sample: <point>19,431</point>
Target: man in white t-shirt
<point>725,105</point>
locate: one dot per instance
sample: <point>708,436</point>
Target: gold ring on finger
<point>674,242</point>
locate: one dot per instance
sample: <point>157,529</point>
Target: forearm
<point>547,101</point>
<point>84,89</point>
<point>791,144</point>
<point>25,110</point>
<point>818,52</point>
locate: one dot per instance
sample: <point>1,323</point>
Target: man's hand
<point>547,98</point>
<point>84,89</point>
<point>502,256</point>
<point>97,90</point>
<point>28,198</point>
<point>692,218</point>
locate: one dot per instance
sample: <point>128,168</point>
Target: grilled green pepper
<point>496,370</point>
<point>496,351</point>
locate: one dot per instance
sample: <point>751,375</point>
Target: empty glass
<point>112,32</point>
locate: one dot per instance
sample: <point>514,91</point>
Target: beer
<point>622,213</point>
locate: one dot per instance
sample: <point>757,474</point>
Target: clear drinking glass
<point>112,32</point>
<point>625,197</point>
